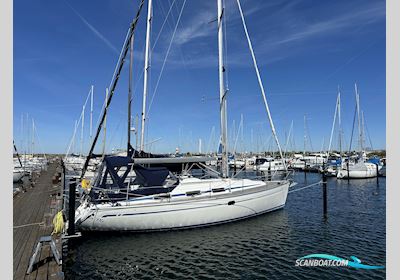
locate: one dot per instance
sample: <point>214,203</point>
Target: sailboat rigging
<point>156,199</point>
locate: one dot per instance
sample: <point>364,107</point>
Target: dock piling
<point>324,192</point>
<point>71,208</point>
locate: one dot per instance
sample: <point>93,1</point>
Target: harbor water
<point>263,247</point>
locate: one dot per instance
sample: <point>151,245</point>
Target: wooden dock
<point>33,214</point>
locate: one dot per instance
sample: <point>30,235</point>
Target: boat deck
<point>33,212</point>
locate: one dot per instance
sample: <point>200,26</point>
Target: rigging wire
<point>165,59</point>
<point>163,24</point>
<point>369,138</point>
<point>352,129</point>
<point>260,82</point>
<point>76,127</point>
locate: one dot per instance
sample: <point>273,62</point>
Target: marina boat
<point>243,162</point>
<point>160,201</point>
<point>360,167</point>
<point>359,170</point>
<point>17,175</point>
<point>308,162</point>
<point>18,171</point>
<point>156,199</point>
<point>331,167</point>
<point>297,163</point>
<point>269,164</point>
<point>238,163</point>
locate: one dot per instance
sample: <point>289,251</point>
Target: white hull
<point>368,170</point>
<point>17,176</point>
<point>184,211</point>
<point>270,166</point>
<point>237,163</point>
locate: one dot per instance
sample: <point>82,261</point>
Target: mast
<point>287,139</point>
<point>362,128</point>
<point>136,131</point>
<point>222,92</point>
<point>82,125</point>
<point>146,72</point>
<point>334,122</point>
<point>199,145</point>
<point>91,115</point>
<point>305,136</point>
<point>22,133</point>
<point>73,139</point>
<point>358,118</point>
<point>340,123</point>
<point>104,127</point>
<point>33,136</point>
<point>130,95</point>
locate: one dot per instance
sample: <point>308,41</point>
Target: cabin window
<point>161,196</point>
<point>193,193</point>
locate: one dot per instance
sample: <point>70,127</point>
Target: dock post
<point>348,171</point>
<point>377,174</point>
<point>71,208</point>
<point>269,172</point>
<point>324,192</point>
<point>63,174</point>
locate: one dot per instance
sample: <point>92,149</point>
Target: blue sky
<point>305,49</point>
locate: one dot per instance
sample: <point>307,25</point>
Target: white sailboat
<point>360,168</point>
<point>333,164</point>
<point>157,200</point>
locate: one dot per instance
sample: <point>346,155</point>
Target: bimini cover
<point>149,177</point>
<point>117,161</point>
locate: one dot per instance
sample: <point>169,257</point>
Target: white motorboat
<point>269,164</point>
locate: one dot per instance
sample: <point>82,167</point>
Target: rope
<point>27,225</point>
<point>306,187</point>
<point>58,223</point>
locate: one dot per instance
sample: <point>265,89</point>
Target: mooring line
<point>26,225</point>
<point>306,187</point>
